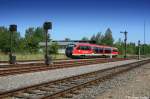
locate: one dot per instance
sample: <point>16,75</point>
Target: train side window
<point>87,48</point>
<point>98,50</point>
<point>80,48</point>
<point>107,50</point>
<point>84,48</point>
<point>70,46</point>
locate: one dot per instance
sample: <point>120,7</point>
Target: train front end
<point>69,50</point>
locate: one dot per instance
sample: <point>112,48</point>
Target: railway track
<point>19,69</point>
<point>38,62</point>
<point>67,87</point>
<point>35,60</point>
<point>129,57</point>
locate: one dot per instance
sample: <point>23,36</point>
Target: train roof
<point>88,44</point>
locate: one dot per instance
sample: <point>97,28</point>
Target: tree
<point>98,38</point>
<point>33,36</point>
<point>120,45</point>
<point>22,46</point>
<point>85,39</point>
<point>67,39</point>
<point>108,38</point>
<point>53,48</point>
<point>93,40</point>
<point>5,39</point>
<point>131,48</point>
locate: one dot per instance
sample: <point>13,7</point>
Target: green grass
<point>4,57</point>
<point>40,56</point>
<point>134,56</point>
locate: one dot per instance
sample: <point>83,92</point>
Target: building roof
<point>59,43</point>
<point>64,42</point>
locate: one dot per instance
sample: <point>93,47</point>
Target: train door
<point>107,51</point>
<point>98,51</point>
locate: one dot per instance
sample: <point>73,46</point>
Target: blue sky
<point>78,18</point>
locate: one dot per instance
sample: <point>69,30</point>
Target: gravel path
<point>131,85</point>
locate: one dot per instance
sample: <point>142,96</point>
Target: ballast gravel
<point>133,84</point>
<point>22,80</point>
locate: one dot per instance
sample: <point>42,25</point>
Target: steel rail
<point>65,64</point>
<point>62,87</point>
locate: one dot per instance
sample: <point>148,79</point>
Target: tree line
<point>108,39</point>
<point>27,44</point>
<point>30,42</point>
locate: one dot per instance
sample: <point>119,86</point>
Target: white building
<point>62,44</point>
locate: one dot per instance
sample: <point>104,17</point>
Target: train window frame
<point>83,47</point>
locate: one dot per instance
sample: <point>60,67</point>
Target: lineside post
<point>47,26</point>
<point>12,29</point>
<point>125,44</point>
<point>139,50</point>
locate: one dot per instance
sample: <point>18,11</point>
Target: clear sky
<point>78,18</point>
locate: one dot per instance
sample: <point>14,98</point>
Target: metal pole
<point>12,29</point>
<point>11,44</point>
<point>47,26</point>
<point>125,43</point>
<point>144,40</point>
<point>125,40</point>
<point>46,53</point>
<point>139,50</point>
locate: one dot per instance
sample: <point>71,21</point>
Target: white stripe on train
<point>93,54</point>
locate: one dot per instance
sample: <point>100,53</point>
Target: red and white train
<point>86,50</point>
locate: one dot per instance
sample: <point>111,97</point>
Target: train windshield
<point>70,46</point>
